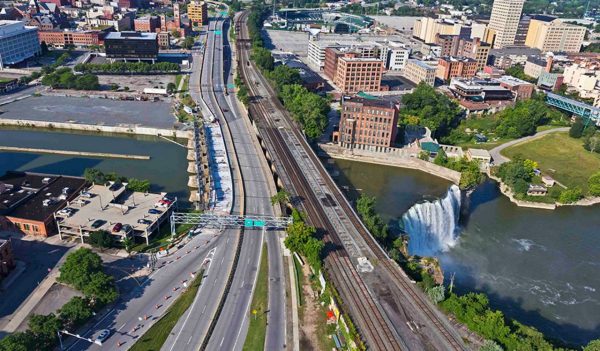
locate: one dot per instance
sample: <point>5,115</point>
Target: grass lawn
<point>255,340</point>
<point>299,280</point>
<point>162,238</point>
<point>560,156</point>
<point>156,336</point>
<point>5,80</point>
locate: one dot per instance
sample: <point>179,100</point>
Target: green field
<point>156,336</point>
<point>255,340</point>
<point>561,157</point>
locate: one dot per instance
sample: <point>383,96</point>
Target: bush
<point>75,312</point>
<point>65,79</point>
<point>127,67</point>
<point>101,239</point>
<point>576,130</point>
<point>570,195</point>
<point>594,184</point>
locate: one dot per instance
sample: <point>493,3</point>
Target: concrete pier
<point>73,153</point>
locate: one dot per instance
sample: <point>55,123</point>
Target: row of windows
<point>26,227</point>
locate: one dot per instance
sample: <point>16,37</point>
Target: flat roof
<point>118,206</point>
<point>36,196</point>
<point>512,80</point>
<point>371,102</point>
<point>479,152</point>
<point>421,64</point>
<point>131,35</point>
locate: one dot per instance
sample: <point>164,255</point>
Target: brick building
<point>454,45</point>
<point>7,260</point>
<point>147,24</point>
<point>522,89</point>
<point>367,123</point>
<point>62,38</point>
<point>356,74</point>
<point>28,201</point>
<point>451,67</point>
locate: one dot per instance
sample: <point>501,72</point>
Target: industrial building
<point>28,201</point>
<point>367,123</point>
<point>18,42</point>
<point>131,46</point>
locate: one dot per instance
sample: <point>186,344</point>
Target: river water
<point>540,267</point>
<point>166,169</point>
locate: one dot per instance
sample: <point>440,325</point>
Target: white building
<point>394,55</point>
<point>18,42</point>
<point>418,71</point>
<point>504,21</point>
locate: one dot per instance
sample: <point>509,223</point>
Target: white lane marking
<point>121,327</point>
<point>191,308</point>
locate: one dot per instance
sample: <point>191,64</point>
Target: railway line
<point>319,196</point>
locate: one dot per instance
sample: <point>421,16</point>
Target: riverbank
<point>73,153</point>
<point>388,159</point>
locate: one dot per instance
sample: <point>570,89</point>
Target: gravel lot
<point>137,83</point>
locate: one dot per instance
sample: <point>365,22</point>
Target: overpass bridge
<point>211,220</point>
<point>583,110</point>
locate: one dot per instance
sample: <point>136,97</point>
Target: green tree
<point>101,239</point>
<point>78,267</point>
<point>365,206</point>
<point>570,195</point>
<point>282,197</point>
<point>128,244</point>
<point>437,293</point>
<point>171,88</point>
<point>576,130</point>
<point>432,109</point>
<point>440,159</point>
<point>75,312</point>
<point>19,341</point>
<point>593,345</point>
<point>490,345</point>
<point>101,289</point>
<point>298,234</point>
<point>312,250</point>
<point>94,175</point>
<point>139,185</point>
<point>594,184</point>
<point>188,42</point>
<point>44,329</point>
<point>263,58</point>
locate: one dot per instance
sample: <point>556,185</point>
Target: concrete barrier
<point>132,130</point>
<point>337,152</point>
<point>73,153</point>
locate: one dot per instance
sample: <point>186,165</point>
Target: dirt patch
<point>310,314</point>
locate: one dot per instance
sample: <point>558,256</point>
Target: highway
<point>230,327</point>
<point>390,312</point>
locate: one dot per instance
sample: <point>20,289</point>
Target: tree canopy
<point>365,206</point>
<point>428,108</point>
<point>594,184</point>
<point>64,78</point>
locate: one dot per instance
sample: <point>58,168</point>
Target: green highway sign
<point>218,32</point>
<point>248,223</point>
<point>259,223</point>
<point>231,86</point>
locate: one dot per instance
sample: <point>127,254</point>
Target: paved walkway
<point>499,159</point>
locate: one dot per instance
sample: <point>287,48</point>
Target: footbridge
<point>214,221</point>
<point>578,108</point>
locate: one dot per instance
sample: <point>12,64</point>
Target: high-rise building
<point>18,42</point>
<point>368,123</point>
<point>454,45</point>
<point>551,34</point>
<point>426,28</point>
<point>522,29</point>
<point>198,12</point>
<point>505,21</point>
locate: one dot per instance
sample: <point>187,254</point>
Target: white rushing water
<point>433,226</point>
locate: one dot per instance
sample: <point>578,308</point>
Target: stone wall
<point>394,159</point>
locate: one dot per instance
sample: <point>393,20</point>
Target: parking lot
<point>94,111</point>
<point>113,209</point>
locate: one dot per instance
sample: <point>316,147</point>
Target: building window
<point>26,227</point>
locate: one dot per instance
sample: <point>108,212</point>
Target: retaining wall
<point>96,128</point>
<point>337,152</point>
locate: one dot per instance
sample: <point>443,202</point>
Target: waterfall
<point>432,226</point>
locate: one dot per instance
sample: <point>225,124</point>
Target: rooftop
<point>510,80</point>
<point>36,196</point>
<point>479,153</point>
<point>131,35</point>
<point>421,64</point>
<point>374,102</point>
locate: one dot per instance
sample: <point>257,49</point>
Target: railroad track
<point>372,322</point>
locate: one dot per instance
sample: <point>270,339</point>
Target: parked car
<point>117,228</point>
<point>67,211</point>
<point>127,228</point>
<point>98,223</point>
<point>154,211</point>
<point>87,194</point>
<point>144,221</point>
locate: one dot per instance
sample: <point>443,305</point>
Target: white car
<point>104,334</point>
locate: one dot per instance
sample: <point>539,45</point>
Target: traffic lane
<point>189,332</point>
<point>230,331</point>
<point>142,300</point>
<point>275,336</point>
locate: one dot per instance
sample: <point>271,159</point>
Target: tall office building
<point>504,21</point>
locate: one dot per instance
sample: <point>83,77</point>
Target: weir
<point>432,226</point>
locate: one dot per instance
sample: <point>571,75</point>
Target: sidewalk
<point>17,318</point>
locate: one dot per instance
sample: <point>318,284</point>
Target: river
<point>166,168</point>
<point>537,266</point>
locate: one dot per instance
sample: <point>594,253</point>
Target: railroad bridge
<point>583,110</point>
